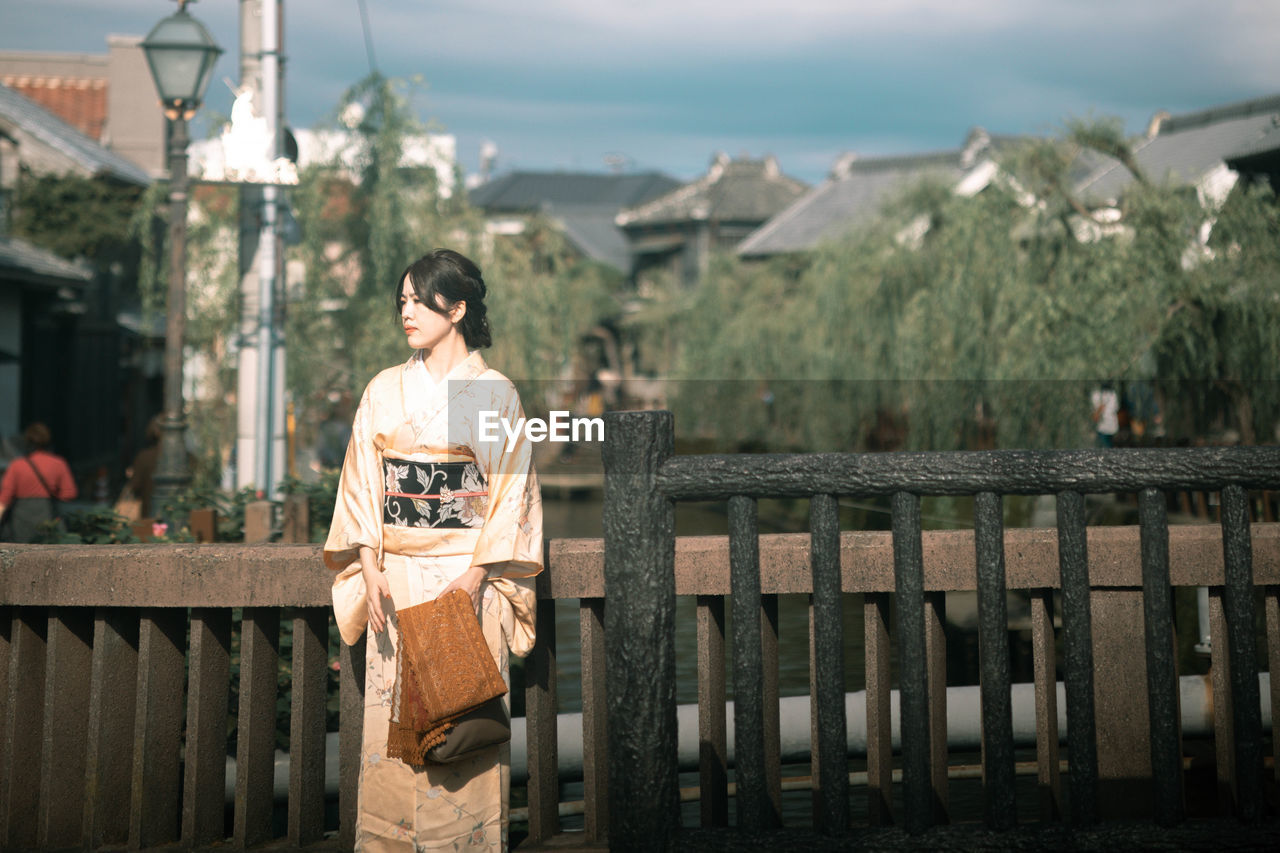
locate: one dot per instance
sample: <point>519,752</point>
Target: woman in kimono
<point>424,507</point>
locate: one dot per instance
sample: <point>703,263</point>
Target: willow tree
<point>366,216</point>
<point>363,216</point>
<point>981,321</point>
<point>543,299</point>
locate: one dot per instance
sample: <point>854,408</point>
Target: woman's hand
<point>469,581</point>
<point>376,589</point>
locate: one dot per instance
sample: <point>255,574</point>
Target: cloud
<point>565,78</point>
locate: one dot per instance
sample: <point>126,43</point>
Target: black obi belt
<point>434,494</point>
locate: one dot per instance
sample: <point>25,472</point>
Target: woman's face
<point>425,328</point>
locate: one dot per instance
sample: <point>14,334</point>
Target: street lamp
<point>181,55</point>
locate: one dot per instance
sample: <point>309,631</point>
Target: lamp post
<point>181,55</point>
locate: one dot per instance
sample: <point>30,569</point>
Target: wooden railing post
<point>595,749</point>
<point>1238,603</point>
<point>543,784</point>
<point>639,581</point>
<point>827,709</point>
<point>1077,644</point>
<point>993,639</point>
<point>756,811</point>
<point>908,568</point>
<point>1162,666</point>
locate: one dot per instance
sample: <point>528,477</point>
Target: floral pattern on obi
<point>434,494</point>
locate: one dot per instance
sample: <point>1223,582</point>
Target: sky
<point>664,84</point>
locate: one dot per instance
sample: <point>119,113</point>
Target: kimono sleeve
<point>510,543</point>
<point>357,521</point>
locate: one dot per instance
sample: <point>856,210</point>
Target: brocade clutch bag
<point>444,671</point>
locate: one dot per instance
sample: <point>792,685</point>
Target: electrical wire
<point>368,36</point>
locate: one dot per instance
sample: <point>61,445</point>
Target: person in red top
<point>32,484</point>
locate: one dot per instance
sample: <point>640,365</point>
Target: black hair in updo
<point>456,279</point>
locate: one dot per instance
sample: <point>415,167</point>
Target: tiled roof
<point>853,194</point>
<point>592,231</point>
<point>81,103</point>
<point>530,191</point>
<point>21,261</point>
<point>62,137</point>
<point>741,190</point>
<point>1266,144</point>
<point>582,204</point>
<point>1189,146</point>
<point>858,188</point>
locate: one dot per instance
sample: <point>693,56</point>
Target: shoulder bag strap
<point>39,477</point>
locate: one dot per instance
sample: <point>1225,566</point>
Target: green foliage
<point>542,299</point>
<point>229,506</point>
<point>94,526</point>
<point>212,310</point>
<point>981,321</point>
<point>1105,136</point>
<point>76,217</point>
<point>146,227</point>
<point>362,218</point>
<point>363,224</point>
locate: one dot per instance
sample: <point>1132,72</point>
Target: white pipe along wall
<point>964,729</point>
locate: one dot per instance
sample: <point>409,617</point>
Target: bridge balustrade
<point>119,658</point>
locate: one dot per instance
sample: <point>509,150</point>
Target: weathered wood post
<point>756,812</point>
<point>1162,664</point>
<point>1077,644</point>
<point>827,710</point>
<point>993,643</point>
<point>1242,651</point>
<point>640,666</point>
<point>908,570</point>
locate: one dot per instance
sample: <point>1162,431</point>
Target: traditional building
<point>61,341</point>
<point>110,98</point>
<point>36,288</point>
<point>857,189</point>
<point>678,231</point>
<point>582,205</point>
<point>1209,149</point>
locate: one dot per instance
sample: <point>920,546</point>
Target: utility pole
<point>260,441</point>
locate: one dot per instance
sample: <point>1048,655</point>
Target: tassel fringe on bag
<point>443,670</point>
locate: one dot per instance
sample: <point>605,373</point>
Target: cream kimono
<point>431,499</point>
